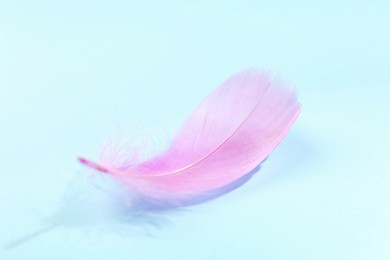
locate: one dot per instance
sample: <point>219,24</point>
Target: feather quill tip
<point>92,165</point>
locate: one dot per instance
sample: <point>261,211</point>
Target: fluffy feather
<point>233,130</point>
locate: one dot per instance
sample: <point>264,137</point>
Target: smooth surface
<point>73,72</point>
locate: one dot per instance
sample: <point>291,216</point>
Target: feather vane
<point>232,131</point>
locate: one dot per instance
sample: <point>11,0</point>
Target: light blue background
<point>71,72</point>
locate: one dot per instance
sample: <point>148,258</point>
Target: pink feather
<point>233,130</point>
